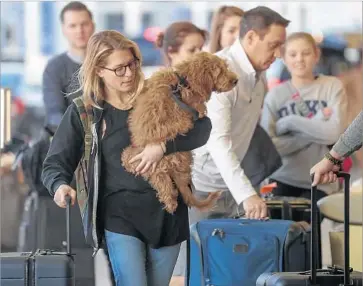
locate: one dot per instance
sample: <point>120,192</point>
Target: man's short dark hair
<point>259,19</point>
<point>74,6</point>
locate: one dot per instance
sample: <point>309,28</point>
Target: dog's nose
<point>235,82</point>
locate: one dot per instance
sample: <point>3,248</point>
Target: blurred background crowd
<point>31,34</point>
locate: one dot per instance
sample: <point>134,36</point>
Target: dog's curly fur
<point>157,118</point>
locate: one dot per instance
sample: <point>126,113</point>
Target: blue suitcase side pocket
<point>239,259</point>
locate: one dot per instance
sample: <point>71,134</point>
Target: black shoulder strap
<point>187,282</point>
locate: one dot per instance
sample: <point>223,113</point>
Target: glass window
<point>115,22</point>
<point>12,31</point>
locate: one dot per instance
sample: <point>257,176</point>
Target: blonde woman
<point>225,27</point>
<point>143,240</point>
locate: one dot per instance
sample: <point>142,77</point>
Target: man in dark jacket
<point>60,74</point>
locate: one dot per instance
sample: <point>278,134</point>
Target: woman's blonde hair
<point>219,17</point>
<point>301,35</point>
<point>99,47</point>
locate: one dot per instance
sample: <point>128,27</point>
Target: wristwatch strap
<point>335,161</point>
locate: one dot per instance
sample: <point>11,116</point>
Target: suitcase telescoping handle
<point>315,225</point>
<point>68,221</point>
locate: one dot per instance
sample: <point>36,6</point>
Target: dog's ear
<point>207,81</point>
<point>216,72</point>
<point>202,83</point>
<point>220,65</point>
<point>200,75</point>
<point>198,70</point>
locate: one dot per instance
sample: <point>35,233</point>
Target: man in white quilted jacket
<point>234,116</point>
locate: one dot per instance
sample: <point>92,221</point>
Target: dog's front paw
<point>126,156</point>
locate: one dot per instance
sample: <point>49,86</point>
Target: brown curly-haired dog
<point>156,117</point>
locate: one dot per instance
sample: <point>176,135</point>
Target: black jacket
<point>66,150</point>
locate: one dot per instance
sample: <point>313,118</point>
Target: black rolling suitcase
<point>42,227</point>
<point>39,268</point>
<point>333,276</point>
<point>281,207</point>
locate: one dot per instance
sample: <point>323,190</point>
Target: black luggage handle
<point>68,226</point>
<point>314,222</point>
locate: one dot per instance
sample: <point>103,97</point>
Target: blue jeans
<point>136,264</point>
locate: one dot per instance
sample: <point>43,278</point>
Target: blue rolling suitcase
<point>333,276</point>
<point>41,268</point>
<point>235,252</point>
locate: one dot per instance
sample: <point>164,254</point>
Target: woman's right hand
<point>61,193</point>
<point>324,172</point>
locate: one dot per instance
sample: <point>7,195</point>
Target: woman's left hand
<point>149,157</point>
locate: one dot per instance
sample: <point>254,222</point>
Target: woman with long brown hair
<point>225,27</point>
<point>143,240</point>
<point>179,41</point>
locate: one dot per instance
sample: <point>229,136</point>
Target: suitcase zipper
<point>218,231</point>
